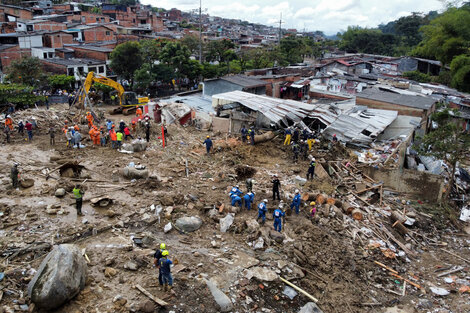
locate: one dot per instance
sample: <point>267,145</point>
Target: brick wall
<point>20,13</point>
<point>54,68</point>
<point>9,55</point>
<point>88,18</point>
<point>49,26</point>
<point>57,40</point>
<point>99,33</point>
<point>90,54</point>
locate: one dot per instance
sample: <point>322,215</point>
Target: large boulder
<point>221,298</point>
<point>139,145</point>
<point>131,173</point>
<point>60,277</point>
<point>261,273</point>
<point>188,223</point>
<point>226,222</point>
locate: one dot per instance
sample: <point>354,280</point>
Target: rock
<point>60,192</point>
<point>168,211</point>
<point>188,223</point>
<point>60,277</point>
<point>26,183</point>
<point>252,226</point>
<point>261,273</point>
<point>222,300</point>
<point>167,228</point>
<point>310,307</point>
<point>300,180</point>
<point>289,292</point>
<point>138,145</point>
<point>215,244</point>
<point>258,244</point>
<point>147,307</point>
<point>276,236</point>
<point>131,266</point>
<point>110,272</point>
<point>109,262</point>
<point>214,214</point>
<point>127,147</point>
<point>439,291</point>
<point>234,209</point>
<point>110,213</point>
<point>133,173</point>
<point>115,176</point>
<point>226,222</point>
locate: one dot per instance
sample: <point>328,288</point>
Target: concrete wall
<point>420,185</point>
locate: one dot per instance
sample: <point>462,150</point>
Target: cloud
<point>325,15</point>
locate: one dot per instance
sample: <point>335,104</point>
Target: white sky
<point>329,16</point>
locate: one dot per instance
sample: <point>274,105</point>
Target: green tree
<point>61,81</point>
<point>446,36</point>
<point>448,142</point>
<point>151,49</point>
<point>366,40</point>
<point>126,58</point>
<point>408,27</point>
<point>460,69</point>
<point>192,43</point>
<point>26,71</point>
<point>20,95</point>
<point>176,56</point>
<point>216,50</point>
<point>124,2</point>
<point>417,76</point>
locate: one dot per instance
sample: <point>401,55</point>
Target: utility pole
<point>280,29</point>
<point>200,31</point>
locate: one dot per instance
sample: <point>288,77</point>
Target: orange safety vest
<point>113,135</point>
<point>138,112</point>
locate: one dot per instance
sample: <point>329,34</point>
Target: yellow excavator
<point>127,99</point>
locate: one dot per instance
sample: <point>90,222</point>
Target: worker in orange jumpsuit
<point>9,122</point>
<point>113,136</point>
<point>89,118</point>
<point>138,112</point>
<point>91,133</point>
<point>96,136</point>
<point>66,127</point>
<point>133,126</point>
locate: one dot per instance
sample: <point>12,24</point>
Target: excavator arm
<point>95,78</point>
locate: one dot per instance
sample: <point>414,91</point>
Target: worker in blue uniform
<point>236,200</point>
<point>277,215</point>
<point>262,209</point>
<point>236,191</point>
<point>296,202</point>
<point>244,133</point>
<point>249,198</point>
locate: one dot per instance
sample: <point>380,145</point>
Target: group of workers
<point>238,199</point>
<point>248,134</point>
<point>8,127</point>
<point>163,263</point>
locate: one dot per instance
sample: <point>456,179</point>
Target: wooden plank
<point>299,289</point>
<point>150,296</point>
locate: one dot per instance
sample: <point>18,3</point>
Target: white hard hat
<point>8,115</point>
<point>265,200</point>
<point>297,191</point>
<point>122,120</point>
<point>237,186</point>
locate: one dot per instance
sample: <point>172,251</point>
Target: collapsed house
<point>355,125</point>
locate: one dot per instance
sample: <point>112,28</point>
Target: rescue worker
<point>119,136</point>
<point>236,191</point>
<point>69,137</point>
<point>334,139</point>
<point>311,168</point>
<point>147,132</point>
<point>305,134</point>
<point>310,140</point>
<point>262,209</point>
<point>249,184</point>
<point>77,137</point>
<point>208,143</point>
<point>134,126</point>
<point>51,133</point>
<point>156,261</point>
<point>295,135</point>
<point>288,134</point>
<point>165,270</point>
<point>276,184</point>
<point>249,198</point>
<point>244,133</point>
<point>109,125</point>
<point>113,137</point>
<point>295,150</point>
<point>14,175</point>
<point>76,128</point>
<point>122,125</point>
<point>313,209</point>
<point>304,150</point>
<point>91,132</point>
<point>102,137</point>
<point>29,130</point>
<point>9,122</point>
<point>236,200</point>
<point>7,131</point>
<point>147,118</point>
<point>277,215</point>
<point>252,135</point>
<point>296,202</point>
<point>78,193</point>
<point>127,133</point>
<point>89,118</point>
<point>21,128</point>
<point>96,136</point>
<point>138,112</point>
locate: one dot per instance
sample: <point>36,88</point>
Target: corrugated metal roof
<point>245,81</point>
<point>418,102</point>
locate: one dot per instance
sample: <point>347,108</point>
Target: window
<point>108,33</point>
<point>45,55</point>
<point>143,21</point>
<point>133,20</point>
<point>102,20</point>
<point>97,19</point>
<point>80,70</point>
<point>101,69</point>
<point>50,55</point>
<point>70,71</point>
<point>29,28</point>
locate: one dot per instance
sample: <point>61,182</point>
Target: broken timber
<point>150,296</point>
